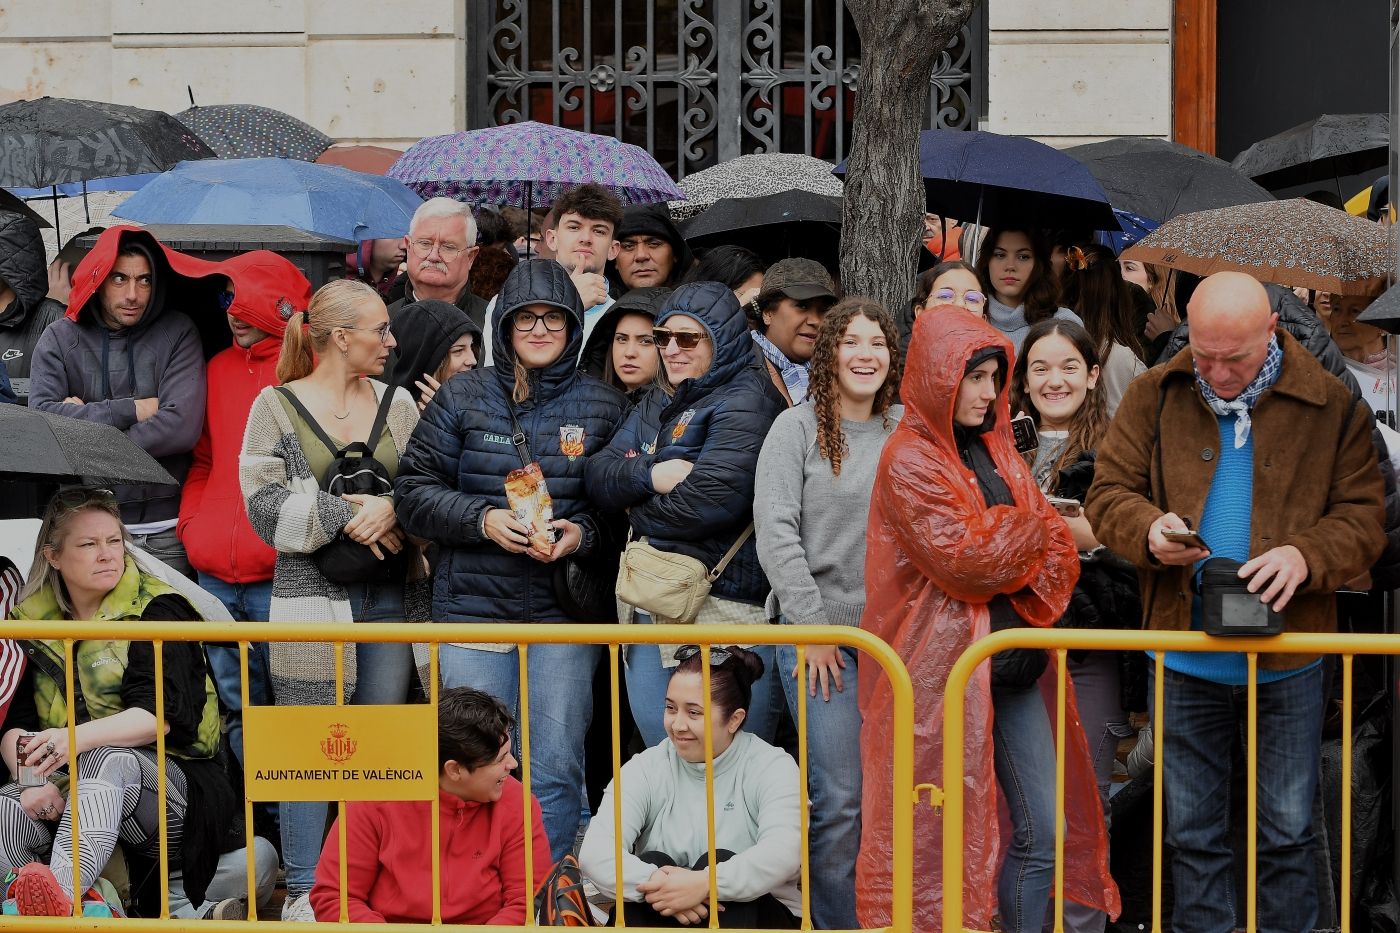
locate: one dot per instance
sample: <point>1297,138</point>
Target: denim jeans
<point>230,880</point>
<point>246,602</point>
<point>1025,767</point>
<point>646,691</point>
<point>383,673</point>
<point>833,787</point>
<point>561,706</point>
<point>166,547</point>
<point>1204,721</point>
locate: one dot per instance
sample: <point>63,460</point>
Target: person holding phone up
<point>1245,430</point>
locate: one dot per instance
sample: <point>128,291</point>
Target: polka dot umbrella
<point>754,176</point>
<point>530,164</point>
<point>1296,242</point>
<point>247,131</point>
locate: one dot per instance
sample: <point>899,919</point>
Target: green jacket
<point>101,665</point>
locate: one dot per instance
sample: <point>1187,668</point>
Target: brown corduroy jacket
<point>1317,485</point>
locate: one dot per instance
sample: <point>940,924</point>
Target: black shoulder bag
<point>583,584</point>
<point>354,471</point>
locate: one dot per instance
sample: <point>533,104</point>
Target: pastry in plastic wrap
<point>529,500</point>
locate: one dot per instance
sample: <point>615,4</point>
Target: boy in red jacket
<point>482,842</point>
<point>234,564</point>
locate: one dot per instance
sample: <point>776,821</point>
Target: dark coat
<point>1316,484</point>
<point>425,331</point>
<point>473,305</point>
<point>23,269</point>
<point>717,422</point>
<point>455,466</point>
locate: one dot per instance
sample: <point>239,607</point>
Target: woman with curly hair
<point>816,471</point>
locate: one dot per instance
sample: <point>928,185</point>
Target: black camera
<point>1227,605</point>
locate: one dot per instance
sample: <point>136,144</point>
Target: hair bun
<point>747,667</point>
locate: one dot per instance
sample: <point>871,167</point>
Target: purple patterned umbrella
<point>529,165</point>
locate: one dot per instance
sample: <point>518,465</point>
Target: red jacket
<point>390,872</point>
<point>214,526</point>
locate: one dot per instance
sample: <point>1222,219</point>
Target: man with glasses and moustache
<point>441,247</point>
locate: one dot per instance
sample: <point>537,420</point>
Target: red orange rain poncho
<point>936,555</point>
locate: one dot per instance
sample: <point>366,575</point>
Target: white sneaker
<point>298,910</point>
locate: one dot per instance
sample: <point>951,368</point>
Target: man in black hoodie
<point>653,252</point>
<point>24,308</point>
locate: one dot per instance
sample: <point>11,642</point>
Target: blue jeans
<point>646,691</point>
<point>246,602</point>
<point>383,673</point>
<point>1203,723</point>
<point>1025,767</point>
<point>561,705</point>
<point>833,787</point>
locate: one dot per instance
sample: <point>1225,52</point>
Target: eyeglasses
<point>448,251</point>
<point>686,340</point>
<point>717,655</point>
<point>946,295</point>
<point>525,321</point>
<point>382,331</point>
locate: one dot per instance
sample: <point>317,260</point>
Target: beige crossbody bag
<point>671,587</point>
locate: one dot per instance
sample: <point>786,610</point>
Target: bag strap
<point>522,446</point>
<point>381,417</point>
<point>729,554</point>
<point>35,653</point>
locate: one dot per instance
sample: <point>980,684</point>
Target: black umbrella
<point>1384,312</point>
<point>1326,149</point>
<point>40,446</point>
<point>1157,179</point>
<point>8,202</point>
<point>54,141</point>
<point>246,131</point>
<point>775,226</point>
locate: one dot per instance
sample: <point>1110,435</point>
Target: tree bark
<point>882,220</point>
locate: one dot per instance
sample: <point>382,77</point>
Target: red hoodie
<point>214,526</point>
<point>482,859</point>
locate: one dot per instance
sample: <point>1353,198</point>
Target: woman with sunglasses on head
<point>962,544</point>
<point>493,568</point>
<point>683,466</point>
<point>326,399</point>
<point>1014,266</point>
<point>665,839</point>
<point>816,472</point>
<point>83,569</point>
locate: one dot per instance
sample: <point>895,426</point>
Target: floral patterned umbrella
<point>247,131</point>
<point>1296,242</point>
<point>753,176</point>
<point>530,164</point>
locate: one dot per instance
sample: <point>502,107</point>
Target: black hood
<point>425,331</point>
<point>537,281</point>
<point>646,301</point>
<point>22,266</point>
<point>652,220</point>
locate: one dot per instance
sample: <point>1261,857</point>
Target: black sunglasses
<point>686,340</point>
<point>717,655</point>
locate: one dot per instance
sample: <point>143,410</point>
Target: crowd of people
<point>602,427</point>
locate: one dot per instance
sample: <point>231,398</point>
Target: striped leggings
<point>117,801</point>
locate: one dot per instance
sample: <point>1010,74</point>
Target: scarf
<point>1241,405</point>
<point>795,375</point>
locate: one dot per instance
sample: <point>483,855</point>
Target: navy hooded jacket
<point>717,422</point>
<point>455,466</point>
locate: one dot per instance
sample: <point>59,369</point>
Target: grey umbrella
<point>247,131</point>
<point>1158,179</point>
<point>1384,312</point>
<point>1328,148</point>
<point>753,176</point>
<point>44,447</point>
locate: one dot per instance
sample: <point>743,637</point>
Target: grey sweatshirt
<point>809,524</point>
<point>1012,321</point>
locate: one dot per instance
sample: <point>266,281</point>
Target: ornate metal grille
<point>695,81</point>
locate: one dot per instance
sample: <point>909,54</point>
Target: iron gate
<point>695,82</point>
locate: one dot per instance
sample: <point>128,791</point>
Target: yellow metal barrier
<point>613,636</point>
<point>1061,641</point>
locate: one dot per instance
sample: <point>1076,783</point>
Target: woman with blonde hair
<point>327,402</point>
<point>816,470</point>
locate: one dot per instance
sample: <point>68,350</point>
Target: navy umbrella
<point>997,180</point>
<point>1158,180</point>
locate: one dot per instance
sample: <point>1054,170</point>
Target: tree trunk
<point>882,220</point>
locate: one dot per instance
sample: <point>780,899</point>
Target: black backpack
<point>354,471</point>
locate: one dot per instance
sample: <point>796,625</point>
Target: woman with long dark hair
<point>1095,290</point>
<point>1014,265</point>
<point>816,471</point>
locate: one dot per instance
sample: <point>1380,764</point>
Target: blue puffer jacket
<point>718,423</point>
<point>455,466</point>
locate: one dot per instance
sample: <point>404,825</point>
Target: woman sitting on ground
<point>83,570</point>
<point>665,844</point>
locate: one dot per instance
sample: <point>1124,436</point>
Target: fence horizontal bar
<point>195,925</point>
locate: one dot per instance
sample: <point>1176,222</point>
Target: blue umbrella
<point>1135,227</point>
<point>997,180</point>
<point>324,199</point>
